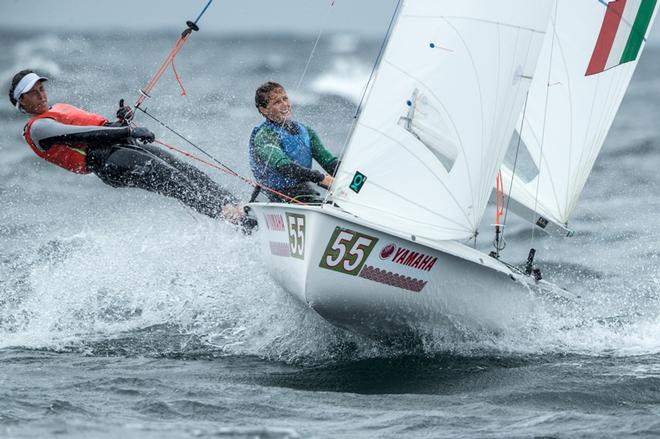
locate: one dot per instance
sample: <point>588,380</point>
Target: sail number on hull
<point>296,228</point>
<point>347,251</point>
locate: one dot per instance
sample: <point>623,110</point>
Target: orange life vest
<point>65,156</point>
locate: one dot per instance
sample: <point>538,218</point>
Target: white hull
<point>381,284</point>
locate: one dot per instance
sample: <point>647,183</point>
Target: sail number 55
<point>347,251</point>
<point>296,226</point>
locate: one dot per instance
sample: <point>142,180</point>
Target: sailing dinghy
<point>388,251</point>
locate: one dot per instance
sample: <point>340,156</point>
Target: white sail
<point>439,115</point>
<point>588,58</point>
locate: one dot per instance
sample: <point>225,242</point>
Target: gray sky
<point>307,16</point>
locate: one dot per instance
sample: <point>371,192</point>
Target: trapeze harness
<point>295,142</point>
<point>66,156</point>
<point>80,142</point>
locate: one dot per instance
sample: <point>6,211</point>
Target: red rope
<point>169,60</point>
<point>226,170</point>
<point>499,198</point>
<point>178,79</point>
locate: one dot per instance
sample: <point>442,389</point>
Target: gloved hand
<point>143,134</point>
<point>125,113</point>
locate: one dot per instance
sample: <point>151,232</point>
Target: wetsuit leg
<point>153,169</point>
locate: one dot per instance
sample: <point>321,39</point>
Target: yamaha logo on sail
<point>408,258</point>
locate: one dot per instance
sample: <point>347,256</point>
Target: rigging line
<point>144,93</point>
<point>222,167</point>
<point>495,115</point>
<point>311,54</point>
<point>231,171</point>
<point>515,160</point>
<point>515,165</point>
<point>498,178</point>
<point>545,120</point>
<point>244,179</point>
<point>366,87</point>
<point>203,11</point>
<point>300,80</point>
<point>178,79</point>
<point>499,209</point>
<point>169,59</point>
<point>309,60</point>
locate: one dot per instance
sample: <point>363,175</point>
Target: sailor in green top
<point>282,150</point>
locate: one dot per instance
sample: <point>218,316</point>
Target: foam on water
<point>122,272</point>
<point>118,272</point>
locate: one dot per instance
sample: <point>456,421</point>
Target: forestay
<point>587,61</point>
<point>439,114</point>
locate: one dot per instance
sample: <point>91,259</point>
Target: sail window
<point>524,166</point>
<point>424,121</point>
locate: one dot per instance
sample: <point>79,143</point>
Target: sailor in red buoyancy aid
<point>84,143</point>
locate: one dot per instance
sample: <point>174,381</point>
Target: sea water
<point>125,314</point>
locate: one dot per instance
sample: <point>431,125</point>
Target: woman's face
<point>278,108</point>
<point>35,101</point>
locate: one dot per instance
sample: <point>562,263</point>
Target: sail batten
<point>435,126</point>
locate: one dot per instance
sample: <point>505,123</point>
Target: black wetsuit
<point>156,170</point>
<point>120,161</point>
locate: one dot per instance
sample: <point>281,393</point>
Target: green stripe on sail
<point>638,31</point>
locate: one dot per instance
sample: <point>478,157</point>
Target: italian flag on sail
<point>622,34</point>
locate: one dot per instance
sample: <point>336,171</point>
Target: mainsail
<point>439,114</point>
<point>588,58</point>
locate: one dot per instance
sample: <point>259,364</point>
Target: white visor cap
<point>25,85</point>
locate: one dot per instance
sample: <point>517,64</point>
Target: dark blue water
<point>124,314</point>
